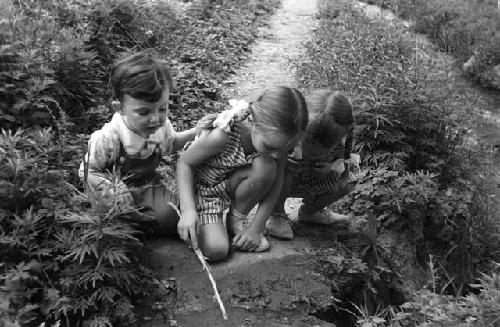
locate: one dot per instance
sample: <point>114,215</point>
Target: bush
<point>64,263</point>
<point>411,133</point>
<point>463,28</point>
<point>61,260</point>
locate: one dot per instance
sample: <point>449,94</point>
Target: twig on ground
<point>214,285</point>
<point>206,267</point>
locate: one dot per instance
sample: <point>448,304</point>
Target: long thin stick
<point>206,267</point>
<point>214,285</point>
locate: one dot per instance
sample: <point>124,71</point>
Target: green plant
<point>64,262</point>
<point>463,28</point>
<point>46,243</point>
<point>411,133</point>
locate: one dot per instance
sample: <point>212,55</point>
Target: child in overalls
<point>136,138</point>
<point>236,165</point>
<point>319,169</point>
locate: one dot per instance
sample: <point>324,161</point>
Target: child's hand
<point>205,123</point>
<point>187,226</point>
<point>247,240</point>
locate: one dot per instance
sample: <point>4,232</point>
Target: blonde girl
<point>238,164</point>
<point>316,171</point>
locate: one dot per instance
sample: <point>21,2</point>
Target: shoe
<point>236,222</point>
<point>323,217</point>
<point>279,226</point>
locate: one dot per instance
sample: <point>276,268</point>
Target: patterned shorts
<point>212,201</point>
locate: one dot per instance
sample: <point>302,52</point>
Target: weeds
<point>412,135</point>
<point>64,263</point>
<point>463,28</point>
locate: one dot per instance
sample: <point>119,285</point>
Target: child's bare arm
<point>199,151</point>
<point>266,205</point>
<point>181,138</point>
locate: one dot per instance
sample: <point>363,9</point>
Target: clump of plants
<point>65,263</point>
<point>466,29</point>
<point>432,307</point>
<point>416,178</point>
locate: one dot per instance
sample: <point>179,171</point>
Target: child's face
<point>270,143</point>
<point>314,148</point>
<point>142,117</point>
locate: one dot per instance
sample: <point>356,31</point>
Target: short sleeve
<point>103,150</point>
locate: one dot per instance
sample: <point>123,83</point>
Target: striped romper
<point>212,178</point>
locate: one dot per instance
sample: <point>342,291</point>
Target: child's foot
<point>236,222</point>
<point>279,226</point>
<point>323,217</point>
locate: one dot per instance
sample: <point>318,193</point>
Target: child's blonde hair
<point>329,108</point>
<point>281,109</point>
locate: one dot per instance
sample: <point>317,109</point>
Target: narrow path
<point>268,63</point>
<point>275,288</point>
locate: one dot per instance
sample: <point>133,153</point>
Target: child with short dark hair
<point>236,165</point>
<point>136,138</point>
<point>317,170</point>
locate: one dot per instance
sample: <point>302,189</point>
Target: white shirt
<point>104,144</point>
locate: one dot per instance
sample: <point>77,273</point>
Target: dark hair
<point>329,108</point>
<point>282,109</point>
<point>141,75</point>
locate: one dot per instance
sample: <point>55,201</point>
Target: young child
<point>238,164</point>
<point>316,171</point>
<point>133,142</point>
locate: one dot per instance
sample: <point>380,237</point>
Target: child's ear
<point>117,106</point>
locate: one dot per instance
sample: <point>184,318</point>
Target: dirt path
<point>275,288</point>
<point>268,63</point>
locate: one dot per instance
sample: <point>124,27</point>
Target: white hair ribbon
<point>224,119</point>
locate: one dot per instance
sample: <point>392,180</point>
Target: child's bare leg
<point>311,212</point>
<point>213,241</point>
<point>251,184</point>
<point>279,207</point>
<point>278,224</point>
<point>325,199</point>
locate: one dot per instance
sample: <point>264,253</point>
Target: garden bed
<point>418,189</point>
<point>62,263</point>
<point>468,29</point>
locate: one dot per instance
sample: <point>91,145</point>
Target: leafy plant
<point>412,136</point>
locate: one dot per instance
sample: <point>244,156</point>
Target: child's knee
<point>264,169</point>
<point>213,242</point>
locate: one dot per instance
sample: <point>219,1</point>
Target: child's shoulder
<point>108,136</point>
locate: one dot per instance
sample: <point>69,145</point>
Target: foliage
<point>411,133</point>
<point>461,27</point>
<point>204,55</point>
<point>45,244</point>
<point>428,308</point>
<point>65,262</point>
<point>56,54</point>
